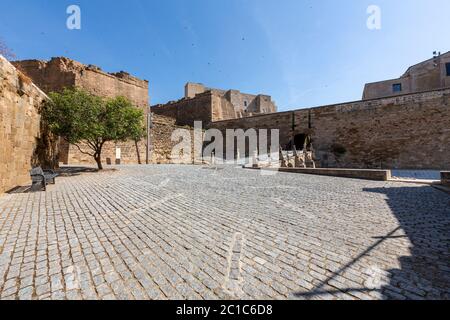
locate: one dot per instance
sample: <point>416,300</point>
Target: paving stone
<point>126,235</point>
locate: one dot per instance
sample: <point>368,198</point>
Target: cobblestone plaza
<point>192,232</point>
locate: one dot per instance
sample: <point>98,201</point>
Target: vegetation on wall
<point>87,120</point>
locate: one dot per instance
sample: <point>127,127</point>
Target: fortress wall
<point>60,73</point>
<point>408,132</point>
<point>186,111</point>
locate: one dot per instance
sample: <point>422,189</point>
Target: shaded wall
<point>20,127</point>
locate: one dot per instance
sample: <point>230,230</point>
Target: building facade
<point>428,75</point>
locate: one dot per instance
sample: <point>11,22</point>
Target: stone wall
<point>206,104</point>
<point>186,111</point>
<point>20,128</point>
<point>406,132</point>
<point>130,153</point>
<point>161,140</point>
<point>193,89</point>
<point>160,150</point>
<point>60,73</point>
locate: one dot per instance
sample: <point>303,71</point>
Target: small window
<point>447,67</point>
<point>397,87</point>
<point>245,103</point>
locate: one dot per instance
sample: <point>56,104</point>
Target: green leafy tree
<point>83,118</point>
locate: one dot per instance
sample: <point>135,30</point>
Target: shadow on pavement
<point>62,172</point>
<point>423,214</point>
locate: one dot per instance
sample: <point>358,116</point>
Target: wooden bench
<point>40,178</point>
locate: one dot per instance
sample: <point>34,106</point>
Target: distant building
<point>432,74</point>
<point>208,105</point>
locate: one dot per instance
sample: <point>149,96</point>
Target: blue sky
<point>302,52</point>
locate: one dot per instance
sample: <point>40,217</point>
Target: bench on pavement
<point>40,178</point>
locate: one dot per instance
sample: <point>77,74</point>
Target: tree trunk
<point>137,151</point>
<point>98,159</point>
<point>98,154</point>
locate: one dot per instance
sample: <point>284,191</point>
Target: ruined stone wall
<point>161,141</point>
<point>222,109</point>
<point>20,129</point>
<point>192,89</point>
<point>60,73</point>
<point>408,132</point>
<point>264,104</point>
<point>186,111</point>
<point>225,105</point>
<point>213,106</point>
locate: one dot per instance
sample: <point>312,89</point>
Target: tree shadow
<point>423,214</point>
<point>75,171</point>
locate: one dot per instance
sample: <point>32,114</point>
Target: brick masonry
<point>20,128</point>
<point>408,132</point>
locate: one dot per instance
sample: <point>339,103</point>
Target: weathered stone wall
<point>160,148</point>
<point>20,128</point>
<point>161,141</point>
<point>129,153</point>
<point>186,111</point>
<point>60,73</point>
<point>206,104</point>
<point>408,132</point>
<point>213,106</point>
<point>193,89</point>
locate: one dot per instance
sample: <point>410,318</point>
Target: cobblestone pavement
<point>185,232</point>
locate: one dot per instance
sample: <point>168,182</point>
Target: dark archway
<point>300,141</point>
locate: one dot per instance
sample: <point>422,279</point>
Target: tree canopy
<point>80,117</point>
